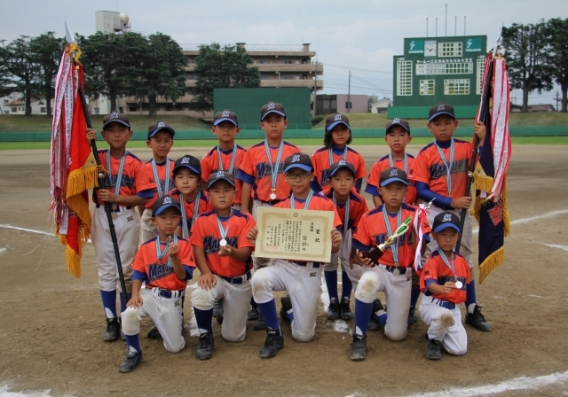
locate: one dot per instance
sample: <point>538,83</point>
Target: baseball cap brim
<point>164,207</point>
<point>440,114</point>
<point>342,167</point>
<point>393,179</point>
<point>401,125</point>
<point>116,121</point>
<point>189,167</point>
<point>217,122</point>
<point>214,181</point>
<point>446,225</point>
<point>168,129</point>
<point>303,167</point>
<point>336,123</point>
<point>273,111</point>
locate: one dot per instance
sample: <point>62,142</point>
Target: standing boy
<point>440,172</point>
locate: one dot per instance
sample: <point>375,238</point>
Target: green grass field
<point>300,142</point>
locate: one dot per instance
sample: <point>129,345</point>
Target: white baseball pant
<point>127,229</point>
<point>397,295</point>
<point>303,284</point>
<point>344,253</point>
<point>166,313</point>
<point>236,301</point>
<point>440,328</point>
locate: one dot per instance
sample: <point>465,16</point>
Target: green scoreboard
<point>438,69</point>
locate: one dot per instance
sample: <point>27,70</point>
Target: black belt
<point>271,202</point>
<point>238,279</point>
<point>391,269</point>
<point>164,293</point>
<point>443,303</point>
<point>117,209</point>
<point>299,263</point>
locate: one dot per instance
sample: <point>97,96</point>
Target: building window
<point>404,74</point>
<point>121,109</point>
<point>427,87</point>
<point>96,110</point>
<point>42,109</point>
<point>456,87</point>
<point>454,49</point>
<point>288,62</point>
<point>14,110</point>
<point>132,108</point>
<point>480,71</point>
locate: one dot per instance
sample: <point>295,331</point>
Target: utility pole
<point>427,26</point>
<point>446,22</point>
<point>557,100</point>
<point>3,41</point>
<point>456,26</point>
<point>349,94</point>
<point>436,27</point>
<point>464,17</point>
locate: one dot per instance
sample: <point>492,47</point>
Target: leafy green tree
<point>556,33</point>
<point>216,67</point>
<point>46,51</point>
<point>163,71</point>
<point>113,63</point>
<point>525,53</point>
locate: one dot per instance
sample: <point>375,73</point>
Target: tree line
<point>127,64</point>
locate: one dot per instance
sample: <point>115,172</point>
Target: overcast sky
<point>360,36</point>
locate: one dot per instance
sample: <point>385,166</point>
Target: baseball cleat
<point>433,349</point>
<point>274,342</point>
<point>218,311</point>
<point>358,348</point>
<point>260,324</point>
<point>253,314</point>
<point>374,324</point>
<point>154,333</point>
<point>412,318</point>
<point>286,305</point>
<point>112,330</point>
<point>131,361</point>
<point>345,312</point>
<point>205,347</point>
<point>332,312</point>
<point>476,320</point>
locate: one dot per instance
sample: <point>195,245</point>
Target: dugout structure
<point>438,69</point>
<point>246,102</point>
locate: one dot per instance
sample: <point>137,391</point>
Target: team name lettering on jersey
<point>265,169</point>
<point>211,244</point>
<point>439,170</point>
<point>127,181</point>
<point>158,270</point>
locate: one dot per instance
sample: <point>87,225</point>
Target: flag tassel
<point>491,262</point>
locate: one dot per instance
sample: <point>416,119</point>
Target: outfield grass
<point>549,140</point>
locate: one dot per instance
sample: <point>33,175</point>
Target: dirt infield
<point>51,323</point>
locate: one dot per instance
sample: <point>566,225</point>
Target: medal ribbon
<point>347,208</point>
<point>344,157</point>
<point>389,230</point>
<point>233,158</point>
<point>448,166</point>
<point>449,264</point>
<point>222,230</point>
<point>162,253</point>
<point>273,169</point>
<point>391,162</point>
<point>119,175</point>
<point>157,178</point>
<point>185,226</point>
<point>306,203</point>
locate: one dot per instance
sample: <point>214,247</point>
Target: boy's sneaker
<point>286,305</point>
<point>412,317</point>
<point>358,348</point>
<point>332,312</point>
<point>260,323</point>
<point>374,324</point>
<point>433,349</point>
<point>218,311</point>
<point>154,333</point>
<point>131,361</point>
<point>205,347</point>
<point>476,320</point>
<point>274,342</point>
<point>253,314</point>
<point>345,312</point>
<point>112,330</point>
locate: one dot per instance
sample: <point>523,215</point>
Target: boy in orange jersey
<point>262,173</point>
<point>444,281</point>
<point>164,264</point>
<point>126,190</point>
<point>440,173</point>
<point>302,280</point>
<point>223,255</point>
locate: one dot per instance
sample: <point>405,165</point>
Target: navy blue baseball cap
<point>341,164</point>
<point>272,107</point>
<point>335,119</point>
<point>226,115</point>
<point>398,121</point>
<point>220,176</point>
<point>446,220</point>
<point>116,117</point>
<point>298,160</point>
<point>191,163</point>
<point>440,109</point>
<point>160,126</point>
<point>391,175</point>
<point>163,203</point>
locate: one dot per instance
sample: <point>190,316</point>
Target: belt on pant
<point>118,208</point>
<point>391,269</point>
<point>299,263</point>
<point>270,202</point>
<point>237,279</point>
<point>164,293</point>
<point>443,303</point>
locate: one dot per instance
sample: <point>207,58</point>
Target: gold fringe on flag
<point>490,263</point>
<point>83,179</point>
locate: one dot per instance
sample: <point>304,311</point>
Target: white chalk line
<point>22,229</point>
<point>534,218</point>
<point>562,247</point>
<point>520,383</point>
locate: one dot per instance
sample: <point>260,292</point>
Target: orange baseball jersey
<point>435,270</point>
<point>317,203</point>
<point>205,205</point>
<point>256,171</point>
<point>148,175</point>
<point>430,169</point>
<point>132,182</point>
<point>321,163</point>
<point>156,272</point>
<point>205,233</point>
<point>357,207</point>
<point>372,231</point>
<point>383,164</point>
<point>210,164</point>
